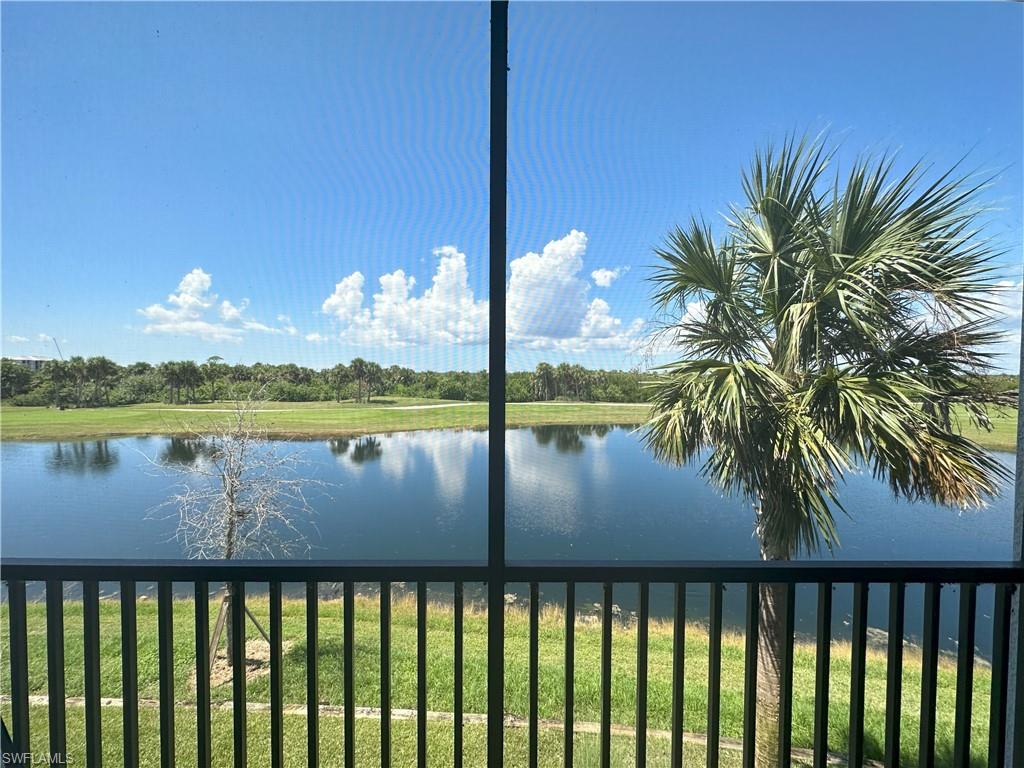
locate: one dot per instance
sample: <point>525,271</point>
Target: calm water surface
<point>572,493</point>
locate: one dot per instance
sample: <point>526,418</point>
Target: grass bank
<point>440,683</point>
<point>328,419</point>
<point>300,420</point>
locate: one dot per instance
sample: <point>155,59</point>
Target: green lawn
<point>300,419</point>
<point>1002,437</point>
<point>440,683</point>
<point>328,419</point>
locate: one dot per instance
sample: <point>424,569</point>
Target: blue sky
<point>182,180</point>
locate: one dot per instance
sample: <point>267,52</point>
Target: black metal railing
<point>273,577</point>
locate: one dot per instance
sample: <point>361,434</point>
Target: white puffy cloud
<point>346,303</point>
<point>548,305</point>
<point>316,338</point>
<point>546,298</point>
<point>18,339</point>
<point>287,326</point>
<point>193,311</point>
<point>446,313</point>
<point>603,278</point>
<point>229,311</point>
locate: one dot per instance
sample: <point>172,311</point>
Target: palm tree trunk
<point>771,632</point>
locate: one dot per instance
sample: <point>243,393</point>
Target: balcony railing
<point>276,578</point>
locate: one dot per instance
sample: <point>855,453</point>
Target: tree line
<point>98,381</point>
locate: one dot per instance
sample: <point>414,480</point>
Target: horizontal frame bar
<point>694,571</point>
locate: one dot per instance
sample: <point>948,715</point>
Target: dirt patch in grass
<point>257,663</point>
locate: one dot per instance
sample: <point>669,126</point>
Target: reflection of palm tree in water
<point>183,451</point>
<point>568,439</point>
<point>366,449</point>
<point>81,457</point>
<point>339,446</point>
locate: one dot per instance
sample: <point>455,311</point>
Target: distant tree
<point>397,376</point>
<point>191,377</point>
<point>337,378</point>
<point>171,374</point>
<point>358,368</point>
<point>451,389</point>
<point>213,370</point>
<point>57,374</point>
<point>544,384</point>
<point>103,374</point>
<point>15,378</point>
<point>374,379</point>
<point>79,372</point>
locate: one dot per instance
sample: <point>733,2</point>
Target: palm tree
<point>170,372</point>
<point>213,370</point>
<point>57,373</point>
<point>831,325</point>
<point>102,372</point>
<point>191,378</point>
<point>358,368</point>
<point>338,377</point>
<point>374,379</point>
<point>543,382</point>
<point>79,372</point>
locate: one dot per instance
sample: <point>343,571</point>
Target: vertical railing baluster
<point>459,665</point>
<point>1016,724</point>
<point>18,623</point>
<point>822,671</point>
<point>348,673</point>
<point>421,674</point>
<point>312,674</point>
<point>678,665</point>
<point>276,677</point>
<point>857,674</point>
<point>1000,675</point>
<point>129,676</point>
<point>606,677</point>
<point>385,674</point>
<point>929,675</point>
<point>750,676</point>
<point>91,657</point>
<point>55,670</point>
<point>570,672</point>
<point>533,674</point>
<point>786,704</point>
<point>714,673</point>
<point>204,733</point>
<point>964,676</point>
<point>641,674</point>
<point>894,675</point>
<point>238,656</point>
<point>165,654</point>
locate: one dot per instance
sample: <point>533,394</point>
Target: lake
<point>572,493</point>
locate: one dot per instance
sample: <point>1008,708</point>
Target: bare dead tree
<point>241,495</point>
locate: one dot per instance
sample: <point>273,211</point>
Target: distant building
<point>32,362</point>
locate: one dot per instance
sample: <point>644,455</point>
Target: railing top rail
<point>41,569</point>
<point>785,572</point>
<point>781,572</point>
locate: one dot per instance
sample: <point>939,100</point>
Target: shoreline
<point>320,420</point>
